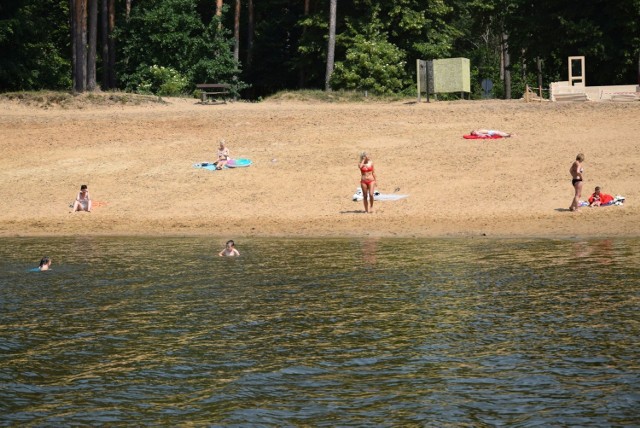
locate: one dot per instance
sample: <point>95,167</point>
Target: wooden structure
<point>534,94</point>
<point>214,90</point>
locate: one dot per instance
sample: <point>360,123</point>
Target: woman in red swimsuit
<point>367,181</point>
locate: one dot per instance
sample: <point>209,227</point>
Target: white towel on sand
<point>377,196</point>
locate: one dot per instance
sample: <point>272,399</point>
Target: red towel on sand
<point>478,137</point>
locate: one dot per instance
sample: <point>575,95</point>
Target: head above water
<point>45,261</point>
<point>230,243</point>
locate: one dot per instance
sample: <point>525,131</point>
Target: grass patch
<point>333,96</point>
<point>50,99</point>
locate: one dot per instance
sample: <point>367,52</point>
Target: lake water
<point>306,332</point>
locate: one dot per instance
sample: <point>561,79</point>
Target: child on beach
<point>598,198</point>
<point>229,250</point>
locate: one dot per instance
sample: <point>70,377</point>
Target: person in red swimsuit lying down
<point>367,181</point>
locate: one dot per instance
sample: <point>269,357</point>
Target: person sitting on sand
<point>229,250</point>
<point>45,263</point>
<point>490,133</point>
<point>83,200</point>
<point>576,171</point>
<point>223,156</point>
<point>598,198</point>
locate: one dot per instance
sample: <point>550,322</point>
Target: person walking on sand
<point>229,250</point>
<point>223,156</point>
<point>576,171</point>
<point>367,181</point>
<point>83,200</point>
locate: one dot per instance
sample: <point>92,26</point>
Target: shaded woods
<point>168,46</point>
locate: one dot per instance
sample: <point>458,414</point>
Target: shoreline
<point>137,160</point>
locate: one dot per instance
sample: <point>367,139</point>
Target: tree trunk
<point>112,44</point>
<point>79,43</point>
<point>301,71</point>
<point>331,48</point>
<point>539,66</point>
<point>104,36</point>
<point>128,11</point>
<point>219,13</point>
<point>72,30</point>
<point>236,32</point>
<point>507,67</point>
<point>523,72</point>
<point>93,36</point>
<point>250,32</point>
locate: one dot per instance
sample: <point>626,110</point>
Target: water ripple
<point>383,332</point>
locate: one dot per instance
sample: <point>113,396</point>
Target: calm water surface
<point>372,332</point>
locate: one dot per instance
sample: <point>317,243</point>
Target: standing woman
<point>367,181</point>
<point>576,171</point>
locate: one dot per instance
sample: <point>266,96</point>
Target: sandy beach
<point>137,162</point>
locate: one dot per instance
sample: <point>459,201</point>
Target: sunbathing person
<point>83,200</point>
<point>598,198</point>
<point>223,156</point>
<point>490,133</point>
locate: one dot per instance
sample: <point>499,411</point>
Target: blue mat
<point>232,163</point>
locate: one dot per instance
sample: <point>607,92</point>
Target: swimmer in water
<point>45,264</point>
<point>229,250</point>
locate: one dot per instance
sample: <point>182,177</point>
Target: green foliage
<point>377,43</point>
<point>34,45</point>
<point>371,64</point>
<point>171,36</point>
<point>163,81</point>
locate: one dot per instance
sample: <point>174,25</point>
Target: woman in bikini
<point>367,181</point>
<point>576,171</point>
<point>223,156</point>
<point>490,133</point>
<point>83,200</point>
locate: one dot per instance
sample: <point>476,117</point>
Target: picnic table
<point>214,90</point>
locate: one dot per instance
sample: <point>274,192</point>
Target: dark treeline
<point>167,46</point>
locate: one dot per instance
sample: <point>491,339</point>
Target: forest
<point>166,47</point>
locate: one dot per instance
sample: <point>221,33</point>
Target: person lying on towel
<point>490,133</point>
<point>598,198</point>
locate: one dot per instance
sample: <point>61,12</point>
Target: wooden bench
<point>214,90</point>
